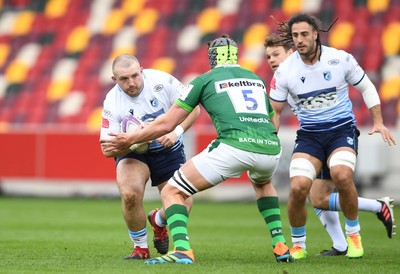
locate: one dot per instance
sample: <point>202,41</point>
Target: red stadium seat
<point>257,6</point>
<point>228,23</point>
<point>344,10</point>
<point>20,3</point>
<point>161,42</point>
<point>393,14</point>
<point>166,7</point>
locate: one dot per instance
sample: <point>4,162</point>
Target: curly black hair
<point>285,29</point>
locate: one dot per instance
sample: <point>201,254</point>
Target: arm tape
<point>179,130</point>
<point>368,91</point>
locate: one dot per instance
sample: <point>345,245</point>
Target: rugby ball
<point>130,124</point>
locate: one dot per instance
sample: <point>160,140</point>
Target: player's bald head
<point>124,61</point>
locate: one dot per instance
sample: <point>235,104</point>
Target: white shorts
<point>226,162</point>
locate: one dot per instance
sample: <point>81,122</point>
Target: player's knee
<point>180,185</point>
<point>316,201</point>
<point>130,198</point>
<point>302,167</point>
<point>342,165</point>
<point>341,175</point>
<point>320,192</point>
<point>300,187</point>
<point>343,158</point>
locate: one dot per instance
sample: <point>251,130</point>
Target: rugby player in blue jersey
<point>322,196</point>
<point>314,80</point>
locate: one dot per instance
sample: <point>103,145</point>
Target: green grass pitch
<point>89,236</point>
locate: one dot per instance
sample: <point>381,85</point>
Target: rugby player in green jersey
<point>247,141</point>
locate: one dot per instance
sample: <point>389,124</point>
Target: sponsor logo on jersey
<point>223,85</point>
<point>254,120</point>
<point>273,83</point>
<point>131,111</point>
<point>333,62</point>
<point>106,112</point>
<point>105,123</point>
<point>319,99</point>
<point>258,141</point>
<point>303,79</point>
<point>327,75</point>
<point>158,88</point>
<point>237,83</point>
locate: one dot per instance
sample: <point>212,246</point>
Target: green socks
<point>270,211</point>
<point>177,219</point>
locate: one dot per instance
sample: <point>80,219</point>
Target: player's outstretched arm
<point>372,101</point>
<point>162,125</point>
<point>169,139</point>
<point>278,107</point>
<point>379,127</point>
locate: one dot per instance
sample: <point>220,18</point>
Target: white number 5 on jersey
<point>248,100</point>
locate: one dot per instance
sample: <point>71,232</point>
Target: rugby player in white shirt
<point>146,94</point>
<point>315,80</point>
<point>322,196</point>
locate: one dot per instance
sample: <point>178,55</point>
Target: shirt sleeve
<point>190,98</point>
<point>174,87</point>
<point>109,120</point>
<point>354,73</point>
<point>278,88</point>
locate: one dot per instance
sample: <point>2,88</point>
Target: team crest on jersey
<point>350,141</point>
<point>333,62</point>
<point>154,102</point>
<point>327,75</point>
<point>158,88</point>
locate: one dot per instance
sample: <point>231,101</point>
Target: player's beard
<point>134,91</point>
<point>310,53</point>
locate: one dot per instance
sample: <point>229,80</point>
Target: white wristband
<point>179,130</point>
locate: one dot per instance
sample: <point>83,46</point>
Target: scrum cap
<point>222,50</point>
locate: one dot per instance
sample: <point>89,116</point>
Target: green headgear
<point>222,50</point>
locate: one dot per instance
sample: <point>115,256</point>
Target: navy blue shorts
<point>325,172</point>
<point>162,164</point>
<point>322,144</point>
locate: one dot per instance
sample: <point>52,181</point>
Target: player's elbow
<point>196,113</point>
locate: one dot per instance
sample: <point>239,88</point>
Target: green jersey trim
<point>181,104</point>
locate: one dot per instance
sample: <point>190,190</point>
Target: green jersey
<point>239,107</point>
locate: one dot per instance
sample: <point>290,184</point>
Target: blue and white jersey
<point>318,94</point>
<point>160,91</point>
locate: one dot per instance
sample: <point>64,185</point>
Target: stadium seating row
<point>55,54</point>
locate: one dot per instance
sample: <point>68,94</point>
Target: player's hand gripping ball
<point>130,124</point>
